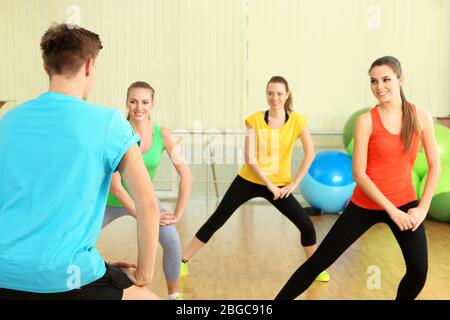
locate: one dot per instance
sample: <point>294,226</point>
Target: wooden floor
<point>258,249</point>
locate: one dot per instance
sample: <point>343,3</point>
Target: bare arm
<point>137,180</point>
<point>434,166</point>
<point>186,178</point>
<point>308,148</point>
<point>363,130</point>
<point>121,194</point>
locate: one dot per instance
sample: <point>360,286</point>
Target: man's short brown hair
<point>66,47</point>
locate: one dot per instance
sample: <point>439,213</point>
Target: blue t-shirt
<point>57,157</point>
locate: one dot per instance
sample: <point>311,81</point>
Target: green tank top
<point>152,158</point>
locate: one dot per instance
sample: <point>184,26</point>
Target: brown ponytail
<point>409,122</point>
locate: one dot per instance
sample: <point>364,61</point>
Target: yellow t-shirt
<point>273,148</point>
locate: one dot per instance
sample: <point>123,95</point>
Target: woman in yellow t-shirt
<point>267,172</point>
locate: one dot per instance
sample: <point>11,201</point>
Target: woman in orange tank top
<point>386,143</point>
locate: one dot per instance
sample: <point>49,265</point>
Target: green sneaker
<point>184,270</point>
<point>323,277</point>
<point>176,296</point>
<point>179,297</point>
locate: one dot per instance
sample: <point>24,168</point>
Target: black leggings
<point>239,192</point>
<point>109,287</point>
<point>353,222</point>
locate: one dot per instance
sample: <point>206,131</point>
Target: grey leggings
<point>168,237</point>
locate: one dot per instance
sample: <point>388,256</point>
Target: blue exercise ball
<point>329,184</point>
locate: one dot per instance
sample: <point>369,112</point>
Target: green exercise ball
<point>416,182</point>
<point>443,140</point>
<point>442,135</point>
<point>439,209</point>
<point>440,204</point>
<point>350,147</point>
<point>421,165</point>
<point>347,134</point>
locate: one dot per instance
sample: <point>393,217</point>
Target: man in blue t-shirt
<point>57,155</point>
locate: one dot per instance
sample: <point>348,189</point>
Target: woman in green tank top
<point>155,139</point>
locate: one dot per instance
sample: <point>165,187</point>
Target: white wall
<point>194,52</point>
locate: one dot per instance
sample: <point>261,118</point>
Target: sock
<point>173,296</point>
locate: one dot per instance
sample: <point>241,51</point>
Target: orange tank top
<point>389,166</point>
